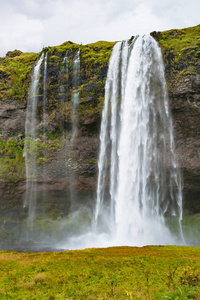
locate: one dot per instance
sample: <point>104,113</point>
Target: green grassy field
<point>151,272</point>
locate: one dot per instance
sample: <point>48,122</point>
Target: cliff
<point>181,53</point>
<point>73,166</point>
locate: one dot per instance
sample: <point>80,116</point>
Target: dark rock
<point>12,121</point>
<point>14,53</point>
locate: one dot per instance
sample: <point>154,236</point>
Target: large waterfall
<point>139,183</point>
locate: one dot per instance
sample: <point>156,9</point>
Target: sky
<point>30,25</point>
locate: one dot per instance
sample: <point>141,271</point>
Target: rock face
<point>73,166</point>
<point>12,120</point>
<point>181,50</point>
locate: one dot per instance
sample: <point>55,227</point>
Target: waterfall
<point>44,92</point>
<point>76,93</point>
<point>139,183</point>
<point>44,171</point>
<point>74,129</point>
<point>31,123</point>
<point>64,77</point>
<point>36,195</point>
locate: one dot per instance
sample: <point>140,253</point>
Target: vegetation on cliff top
<point>157,272</point>
<point>93,69</point>
<point>180,41</point>
<point>16,67</point>
<point>178,45</point>
<point>14,76</point>
<point>181,52</point>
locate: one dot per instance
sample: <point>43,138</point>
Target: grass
<point>151,272</point>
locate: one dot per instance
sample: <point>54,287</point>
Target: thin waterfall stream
<point>76,94</point>
<point>36,127</point>
<point>29,148</point>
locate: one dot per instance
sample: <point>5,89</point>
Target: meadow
<point>150,272</point>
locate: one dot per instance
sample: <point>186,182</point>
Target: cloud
<point>37,9</point>
<point>18,31</point>
<point>32,24</point>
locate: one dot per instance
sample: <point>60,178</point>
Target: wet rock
<point>12,121</point>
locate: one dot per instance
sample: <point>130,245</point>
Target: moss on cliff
<point>15,72</point>
<point>93,69</point>
<point>15,76</point>
<point>11,161</point>
<point>11,156</point>
<point>181,49</point>
<point>180,41</point>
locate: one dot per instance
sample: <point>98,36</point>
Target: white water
<point>45,92</point>
<point>44,172</point>
<point>76,94</point>
<point>29,148</point>
<point>35,174</point>
<point>64,77</point>
<point>139,184</point>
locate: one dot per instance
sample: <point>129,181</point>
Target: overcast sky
<point>30,25</point>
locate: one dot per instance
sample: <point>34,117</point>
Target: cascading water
<point>137,154</point>
<point>74,122</point>
<point>45,92</point>
<point>37,179</point>
<point>43,171</point>
<point>139,183</point>
<point>76,94</point>
<point>64,77</point>
<point>29,149</point>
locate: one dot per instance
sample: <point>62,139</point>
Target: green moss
<point>181,41</point>
<point>191,227</point>
<point>15,75</point>
<point>190,70</point>
<point>180,48</point>
<point>94,62</point>
<point>37,148</point>
<point>12,166</point>
<point>43,160</point>
<point>91,160</point>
